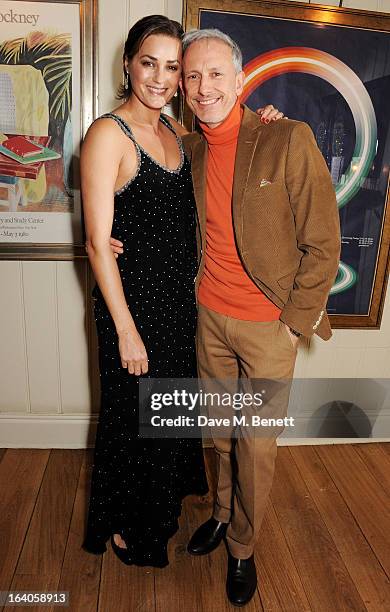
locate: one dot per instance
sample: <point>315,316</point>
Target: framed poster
<point>47,100</point>
<point>329,67</point>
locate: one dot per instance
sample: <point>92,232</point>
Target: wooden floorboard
<point>21,474</point>
<point>40,561</point>
<point>173,589</point>
<point>279,584</point>
<point>324,542</point>
<point>385,446</point>
<point>327,583</point>
<point>358,558</point>
<point>124,588</point>
<point>367,501</point>
<point>80,572</point>
<point>377,461</point>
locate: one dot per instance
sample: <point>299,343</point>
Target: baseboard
<point>79,431</point>
<point>47,431</point>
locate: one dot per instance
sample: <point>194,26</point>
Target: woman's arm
<point>101,156</point>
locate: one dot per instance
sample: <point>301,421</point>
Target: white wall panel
<point>301,362</point>
<point>375,363</point>
<point>174,9</point>
<point>383,6</point>
<point>73,337</point>
<point>14,394</point>
<point>137,10</point>
<point>40,312</point>
<point>320,359</point>
<point>346,362</point>
<point>367,5</point>
<point>113,23</point>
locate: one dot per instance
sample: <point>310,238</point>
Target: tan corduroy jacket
<point>285,217</point>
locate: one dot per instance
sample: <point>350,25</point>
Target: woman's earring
<point>126,80</point>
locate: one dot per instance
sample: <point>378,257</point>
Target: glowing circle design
<point>338,74</point>
<point>346,278</point>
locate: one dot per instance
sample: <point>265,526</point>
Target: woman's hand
<point>269,113</point>
<point>132,352</point>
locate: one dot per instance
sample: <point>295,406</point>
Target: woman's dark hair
<point>152,24</point>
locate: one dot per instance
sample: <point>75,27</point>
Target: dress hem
<point>88,547</point>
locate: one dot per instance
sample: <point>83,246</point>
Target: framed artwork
<point>329,67</point>
<point>48,97</point>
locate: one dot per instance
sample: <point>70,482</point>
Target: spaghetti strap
<point>167,124</point>
<point>122,124</point>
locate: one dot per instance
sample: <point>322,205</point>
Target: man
<point>270,241</point>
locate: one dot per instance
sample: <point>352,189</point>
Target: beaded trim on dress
<point>122,123</point>
<point>128,132</point>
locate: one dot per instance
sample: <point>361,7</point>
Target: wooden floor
<point>324,545</point>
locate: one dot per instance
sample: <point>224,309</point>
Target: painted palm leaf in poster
<point>336,78</point>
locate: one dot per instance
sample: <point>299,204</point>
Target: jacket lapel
<point>199,175</point>
<point>248,137</point>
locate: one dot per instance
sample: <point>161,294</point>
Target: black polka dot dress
<point>138,483</point>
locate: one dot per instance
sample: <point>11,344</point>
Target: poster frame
<point>87,62</point>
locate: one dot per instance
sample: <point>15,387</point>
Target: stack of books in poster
<point>20,157</point>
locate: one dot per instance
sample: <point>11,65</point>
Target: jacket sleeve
<point>313,203</point>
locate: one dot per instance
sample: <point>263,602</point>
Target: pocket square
<point>264,182</point>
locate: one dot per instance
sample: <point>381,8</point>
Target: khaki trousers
<point>257,356</point>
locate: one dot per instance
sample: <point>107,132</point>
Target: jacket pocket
<point>287,281</point>
<point>266,185</point>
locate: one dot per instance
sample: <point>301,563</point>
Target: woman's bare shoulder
<point>105,134</point>
<point>102,128</point>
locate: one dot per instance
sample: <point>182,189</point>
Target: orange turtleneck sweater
<point>225,287</point>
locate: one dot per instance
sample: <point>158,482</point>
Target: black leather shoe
<point>207,537</point>
<point>241,580</point>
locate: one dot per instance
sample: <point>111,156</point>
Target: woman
<point>136,184</point>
